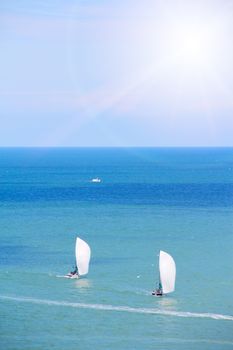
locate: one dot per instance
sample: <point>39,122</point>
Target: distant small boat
<point>167,274</point>
<point>96,179</point>
<point>82,255</point>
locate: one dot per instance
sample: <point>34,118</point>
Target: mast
<point>159,290</point>
<point>159,279</point>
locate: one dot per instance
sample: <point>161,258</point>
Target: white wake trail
<point>106,307</point>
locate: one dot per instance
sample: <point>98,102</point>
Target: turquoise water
<point>177,200</point>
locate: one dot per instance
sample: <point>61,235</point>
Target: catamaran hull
<point>158,294</point>
<point>69,275</point>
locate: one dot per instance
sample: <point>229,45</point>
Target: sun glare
<point>191,44</point>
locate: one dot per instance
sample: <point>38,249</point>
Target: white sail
<point>83,255</point>
<point>167,270</point>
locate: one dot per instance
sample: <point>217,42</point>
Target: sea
<point>179,200</point>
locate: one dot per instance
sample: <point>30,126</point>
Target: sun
<point>192,45</point>
<point>189,43</point>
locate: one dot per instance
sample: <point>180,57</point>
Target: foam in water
<point>106,307</point>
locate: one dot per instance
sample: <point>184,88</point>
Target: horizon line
<point>53,147</point>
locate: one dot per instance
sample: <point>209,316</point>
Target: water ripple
<point>106,307</point>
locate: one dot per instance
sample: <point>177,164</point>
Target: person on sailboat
<point>158,291</point>
<point>75,272</point>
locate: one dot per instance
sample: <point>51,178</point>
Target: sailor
<point>159,290</point>
<point>75,272</point>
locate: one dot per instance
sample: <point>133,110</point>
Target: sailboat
<point>167,274</point>
<point>96,179</point>
<point>82,257</point>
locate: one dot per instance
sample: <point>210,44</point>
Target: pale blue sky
<point>116,73</point>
